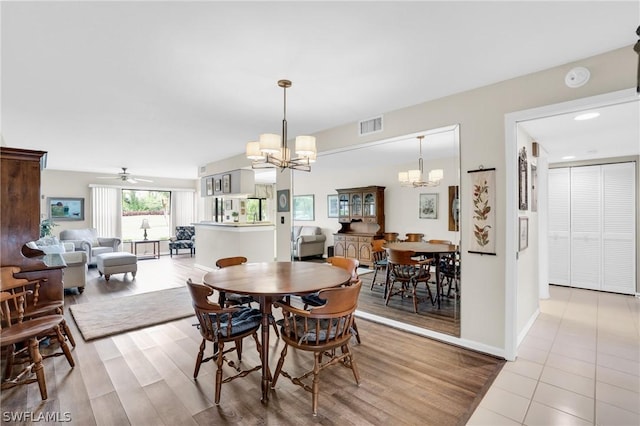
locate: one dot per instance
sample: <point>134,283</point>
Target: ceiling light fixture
<point>586,116</point>
<point>414,177</point>
<point>271,150</point>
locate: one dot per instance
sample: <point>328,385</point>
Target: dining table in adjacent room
<point>271,281</point>
<point>424,248</point>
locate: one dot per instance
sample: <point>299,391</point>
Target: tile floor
<point>578,365</point>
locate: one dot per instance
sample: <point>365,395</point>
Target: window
<point>151,205</point>
<point>257,210</point>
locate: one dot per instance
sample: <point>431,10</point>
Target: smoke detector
<point>577,77</point>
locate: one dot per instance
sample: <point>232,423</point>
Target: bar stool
<point>390,237</point>
<point>414,238</point>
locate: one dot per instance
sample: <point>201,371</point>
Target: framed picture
<point>226,183</point>
<point>217,185</point>
<point>454,208</point>
<point>523,185</point>
<point>209,186</point>
<point>283,200</point>
<point>428,206</point>
<point>534,188</point>
<point>523,231</point>
<point>332,205</point>
<point>228,204</point>
<point>65,208</point>
<point>483,214</point>
<point>303,207</point>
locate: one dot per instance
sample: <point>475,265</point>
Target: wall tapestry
<point>483,217</point>
<point>523,185</point>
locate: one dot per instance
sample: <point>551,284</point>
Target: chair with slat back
<point>20,338</point>
<point>232,299</point>
<point>379,257</point>
<point>320,330</point>
<point>221,325</point>
<point>34,305</point>
<point>408,272</point>
<point>348,264</point>
<point>390,237</point>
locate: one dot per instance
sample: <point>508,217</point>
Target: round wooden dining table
<point>269,281</point>
<point>424,248</point>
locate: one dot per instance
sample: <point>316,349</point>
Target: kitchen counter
<point>215,240</point>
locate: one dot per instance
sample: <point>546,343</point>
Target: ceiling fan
<point>125,177</point>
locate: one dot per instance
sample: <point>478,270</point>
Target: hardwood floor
<point>145,377</point>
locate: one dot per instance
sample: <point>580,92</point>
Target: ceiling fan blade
<point>143,180</point>
<point>131,180</point>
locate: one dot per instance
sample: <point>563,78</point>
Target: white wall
<point>481,115</point>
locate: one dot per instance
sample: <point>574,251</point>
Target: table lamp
<point>145,225</point>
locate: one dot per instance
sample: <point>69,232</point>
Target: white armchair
<point>307,241</point>
<point>87,240</point>
<point>75,274</point>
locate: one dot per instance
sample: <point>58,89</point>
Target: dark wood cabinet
<point>361,216</point>
<point>20,210</point>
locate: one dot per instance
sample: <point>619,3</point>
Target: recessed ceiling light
<point>586,116</point>
<point>568,157</point>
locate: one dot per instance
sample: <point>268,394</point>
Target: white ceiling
<point>165,87</point>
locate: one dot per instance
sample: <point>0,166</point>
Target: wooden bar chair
<point>20,340</point>
<point>408,272</point>
<point>390,237</point>
<point>379,256</point>
<point>222,325</point>
<point>320,330</point>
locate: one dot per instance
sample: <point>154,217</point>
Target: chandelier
<point>271,150</point>
<point>414,178</point>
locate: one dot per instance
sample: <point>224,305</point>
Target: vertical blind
<point>104,202</point>
<point>183,207</point>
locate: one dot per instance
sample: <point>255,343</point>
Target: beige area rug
<point>106,318</point>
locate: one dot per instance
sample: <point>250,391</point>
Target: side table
<point>145,254</point>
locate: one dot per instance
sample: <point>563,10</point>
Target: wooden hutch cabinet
<point>361,216</point>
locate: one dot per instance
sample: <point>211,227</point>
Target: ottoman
<point>116,263</point>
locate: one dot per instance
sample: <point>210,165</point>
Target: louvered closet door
<point>559,226</point>
<point>618,237</point>
<point>586,219</point>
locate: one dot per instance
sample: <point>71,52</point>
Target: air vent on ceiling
<point>372,125</point>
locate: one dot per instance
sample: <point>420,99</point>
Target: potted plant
<point>45,228</point>
<point>235,216</point>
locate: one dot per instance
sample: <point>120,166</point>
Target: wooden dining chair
<point>414,237</point>
<point>20,341</point>
<point>379,257</point>
<point>232,299</point>
<point>34,305</point>
<point>408,272</point>
<point>320,330</point>
<point>348,264</point>
<point>222,325</point>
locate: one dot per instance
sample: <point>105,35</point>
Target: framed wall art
<point>283,200</point>
<point>62,208</point>
<point>534,188</point>
<point>332,205</point>
<point>428,206</point>
<point>209,186</point>
<point>523,185</point>
<point>483,216</point>
<point>226,183</point>
<point>303,207</point>
<point>217,186</point>
<point>454,208</point>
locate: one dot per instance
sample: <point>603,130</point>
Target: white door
<point>586,231</point>
<point>559,226</point>
<point>618,233</point>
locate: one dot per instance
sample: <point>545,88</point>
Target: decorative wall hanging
<point>534,188</point>
<point>523,230</point>
<point>64,208</point>
<point>332,205</point>
<point>226,183</point>
<point>483,217</point>
<point>283,200</point>
<point>522,179</point>
<point>454,208</point>
<point>209,186</point>
<point>428,206</point>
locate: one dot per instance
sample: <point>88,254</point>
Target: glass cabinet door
<point>356,205</point>
<point>343,206</point>
<point>369,204</point>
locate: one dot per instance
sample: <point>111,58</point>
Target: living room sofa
<point>307,241</point>
<point>87,240</point>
